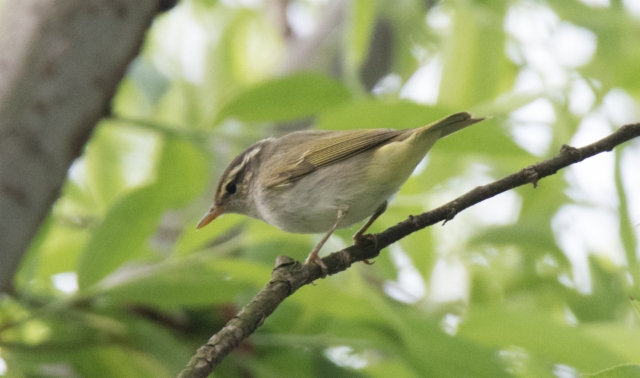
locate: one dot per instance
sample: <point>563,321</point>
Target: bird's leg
<point>313,256</point>
<point>358,236</point>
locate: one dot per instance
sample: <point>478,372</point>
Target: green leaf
<point>181,175</point>
<point>372,113</point>
<point>226,227</point>
<point>475,65</point>
<point>446,356</point>
<point>532,232</point>
<point>539,334</point>
<point>359,31</point>
<point>148,79</point>
<point>636,305</point>
<point>487,138</point>
<point>432,352</point>
<point>60,251</point>
<point>618,35</point>
<point>121,236</point>
<point>608,297</point>
<point>189,283</point>
<point>286,99</point>
<point>619,337</point>
<point>32,260</point>
<point>255,47</point>
<point>104,165</point>
<point>159,342</point>
<point>116,361</point>
<point>622,371</point>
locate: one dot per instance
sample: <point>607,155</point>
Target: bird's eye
<point>231,188</point>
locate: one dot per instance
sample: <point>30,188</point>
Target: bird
<point>316,181</point>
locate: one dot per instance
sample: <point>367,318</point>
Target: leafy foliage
<point>530,284</point>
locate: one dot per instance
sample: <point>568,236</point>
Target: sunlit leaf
<point>618,337</point>
<point>189,283</point>
<point>372,113</point>
<point>121,236</point>
<point>104,162</point>
<point>475,66</point>
<point>636,305</point>
<point>539,334</point>
<point>284,99</point>
<point>105,362</point>
<point>622,371</point>
<point>182,173</point>
<point>363,21</point>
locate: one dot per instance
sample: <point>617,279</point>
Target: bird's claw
<point>313,258</point>
<point>359,238</point>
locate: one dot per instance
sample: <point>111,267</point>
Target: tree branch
<point>289,275</point>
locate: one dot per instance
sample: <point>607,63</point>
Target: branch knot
<point>531,175</point>
<point>450,216</point>
<point>291,271</point>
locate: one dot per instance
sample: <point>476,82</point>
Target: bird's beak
<point>212,214</point>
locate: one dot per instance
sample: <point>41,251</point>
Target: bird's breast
<point>311,204</point>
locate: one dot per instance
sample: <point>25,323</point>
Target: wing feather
<point>333,146</point>
<point>332,149</point>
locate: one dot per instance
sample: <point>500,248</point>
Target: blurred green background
<point>532,283</point>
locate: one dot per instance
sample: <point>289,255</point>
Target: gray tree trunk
<point>60,64</point>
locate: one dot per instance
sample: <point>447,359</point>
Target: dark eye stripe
<point>236,172</point>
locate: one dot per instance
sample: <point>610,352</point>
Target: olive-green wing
<point>330,149</point>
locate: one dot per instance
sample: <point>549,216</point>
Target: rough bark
<point>60,64</point>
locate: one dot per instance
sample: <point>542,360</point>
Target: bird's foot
<point>313,258</point>
<point>358,238</point>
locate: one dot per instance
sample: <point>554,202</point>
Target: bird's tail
<point>452,123</point>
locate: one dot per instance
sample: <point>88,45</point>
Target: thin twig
<point>289,275</point>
